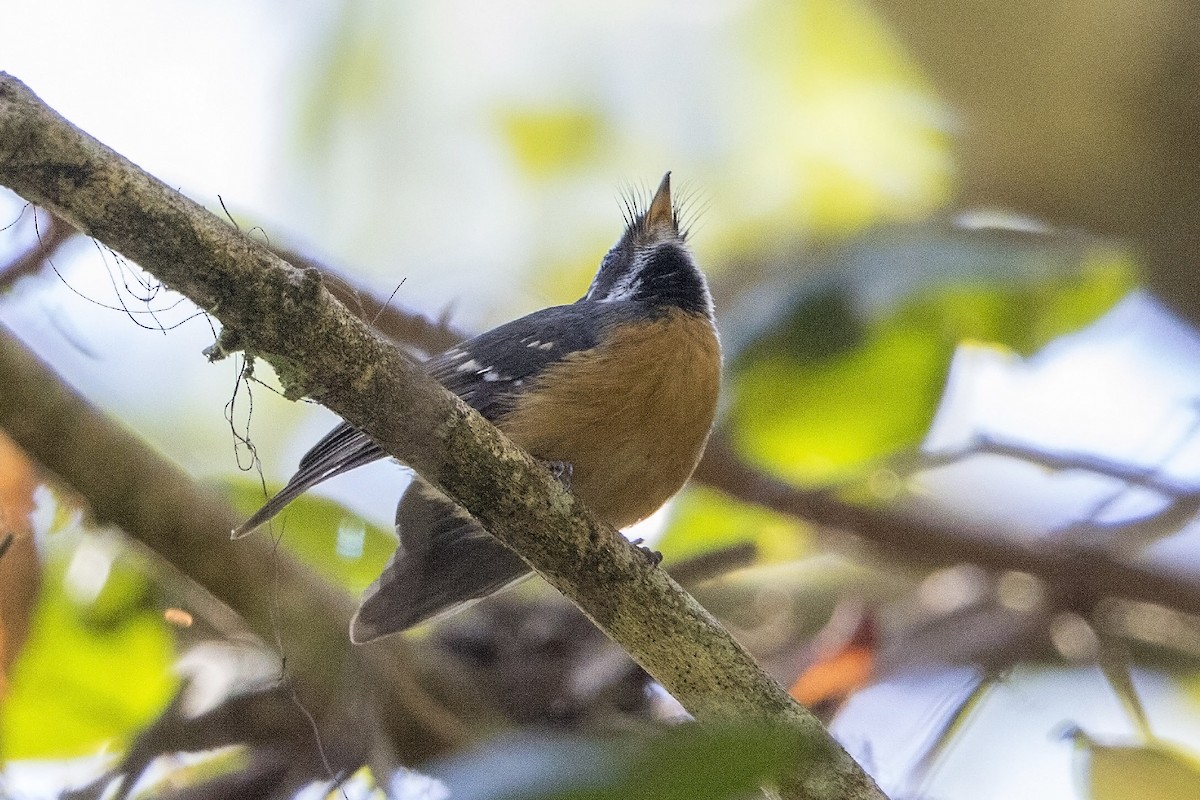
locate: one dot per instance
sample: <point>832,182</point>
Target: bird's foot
<point>653,556</point>
<point>562,472</point>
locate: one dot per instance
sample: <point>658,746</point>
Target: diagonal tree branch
<point>275,311</point>
<point>1146,477</point>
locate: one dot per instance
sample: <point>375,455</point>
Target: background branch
<point>1147,477</point>
<point>401,325</point>
<point>129,485</point>
<point>1082,576</point>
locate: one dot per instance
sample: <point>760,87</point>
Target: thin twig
<point>402,325</point>
<point>1082,575</point>
<point>1146,477</point>
<point>1126,537</point>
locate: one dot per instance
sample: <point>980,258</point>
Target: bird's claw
<point>562,472</point>
<point>653,556</point>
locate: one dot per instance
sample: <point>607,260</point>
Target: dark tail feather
<point>344,448</point>
<point>444,562</point>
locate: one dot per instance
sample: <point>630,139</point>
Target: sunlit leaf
<point>853,115</point>
<point>1156,771</point>
<point>815,417</point>
<point>687,763</point>
<point>93,673</point>
<point>831,388</point>
<point>704,520</point>
<point>548,141</point>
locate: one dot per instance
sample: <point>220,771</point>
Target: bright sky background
<point>205,96</point>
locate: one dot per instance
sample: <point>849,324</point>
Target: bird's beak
<point>661,213</point>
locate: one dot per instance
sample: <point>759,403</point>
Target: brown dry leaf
<point>20,574</point>
<point>840,671</point>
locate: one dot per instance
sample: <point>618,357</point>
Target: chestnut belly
<point>630,417</point>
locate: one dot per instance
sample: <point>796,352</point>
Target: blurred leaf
<point>703,520</point>
<point>91,674</point>
<point>350,75</point>
<point>687,762</point>
<point>194,771</point>
<point>1157,771</point>
<point>840,670</point>
<point>829,389</point>
<point>20,573</point>
<point>331,540</point>
<point>549,141</point>
<point>855,134</point>
<point>813,418</point>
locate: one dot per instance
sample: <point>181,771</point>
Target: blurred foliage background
<point>951,497</point>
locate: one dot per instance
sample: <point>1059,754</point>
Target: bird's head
<point>652,262</point>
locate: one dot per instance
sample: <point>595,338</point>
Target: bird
<point>615,392</point>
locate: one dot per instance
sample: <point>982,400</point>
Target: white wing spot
<point>545,345</point>
<point>490,375</point>
<point>468,366</point>
<point>533,343</point>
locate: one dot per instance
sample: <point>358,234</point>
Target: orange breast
<point>631,416</point>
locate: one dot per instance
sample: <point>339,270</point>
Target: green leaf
<point>546,142</point>
<point>815,417</point>
<point>351,72</point>
<point>831,388</point>
<point>324,535</point>
<point>92,674</point>
<point>703,520</point>
<point>853,135</point>
<point>1155,771</point>
<point>684,763</point>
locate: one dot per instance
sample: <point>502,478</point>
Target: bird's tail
<point>342,449</point>
<point>444,562</point>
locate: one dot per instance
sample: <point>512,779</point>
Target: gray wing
<point>485,372</point>
<point>489,370</point>
<point>445,559</point>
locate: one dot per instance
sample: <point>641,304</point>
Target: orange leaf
<point>20,573</point>
<point>840,671</point>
